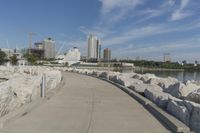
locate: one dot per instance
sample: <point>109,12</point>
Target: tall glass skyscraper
<point>94,47</point>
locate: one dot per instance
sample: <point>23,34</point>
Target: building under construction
<point>39,53</point>
<point>44,49</point>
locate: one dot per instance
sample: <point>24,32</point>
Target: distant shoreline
<point>129,68</point>
<point>156,69</point>
<point>102,68</point>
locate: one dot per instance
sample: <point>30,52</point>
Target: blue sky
<point>130,28</point>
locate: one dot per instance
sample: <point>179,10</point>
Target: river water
<point>180,75</point>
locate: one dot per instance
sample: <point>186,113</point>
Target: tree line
<point>13,59</point>
<point>166,65</point>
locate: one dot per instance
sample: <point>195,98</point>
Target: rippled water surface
<point>180,75</point>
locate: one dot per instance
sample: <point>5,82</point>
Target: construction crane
<point>31,34</point>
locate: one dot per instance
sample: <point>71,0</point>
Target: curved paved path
<point>87,105</point>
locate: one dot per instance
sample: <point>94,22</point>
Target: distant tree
<point>32,59</point>
<point>184,62</point>
<point>13,60</point>
<point>2,57</point>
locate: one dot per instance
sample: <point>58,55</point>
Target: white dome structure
<point>73,55</point>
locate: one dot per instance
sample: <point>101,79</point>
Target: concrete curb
<point>170,121</point>
<point>24,110</point>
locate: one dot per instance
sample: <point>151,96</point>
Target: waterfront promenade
<point>87,105</point>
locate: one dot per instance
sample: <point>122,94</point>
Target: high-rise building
<point>44,49</point>
<point>39,46</point>
<point>38,50</point>
<point>98,49</point>
<point>166,57</point>
<point>49,48</point>
<point>107,54</point>
<point>94,47</point>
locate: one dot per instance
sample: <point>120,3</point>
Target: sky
<point>130,28</point>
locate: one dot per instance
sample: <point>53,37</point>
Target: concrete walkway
<point>87,105</point>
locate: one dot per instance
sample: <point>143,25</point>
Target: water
<point>180,75</point>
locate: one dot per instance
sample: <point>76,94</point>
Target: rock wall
<point>24,85</point>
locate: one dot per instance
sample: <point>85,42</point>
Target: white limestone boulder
<point>137,76</point>
<point>194,93</point>
<point>95,73</point>
<point>89,72</point>
<point>144,77</point>
<point>75,70</point>
<point>157,96</point>
<point>163,82</point>
<point>194,96</point>
<point>24,85</point>
<point>53,78</point>
<point>104,75</point>
<point>113,74</point>
<point>179,90</point>
<point>140,88</point>
<point>17,92</point>
<point>192,86</point>
<point>84,71</point>
<point>129,75</point>
<point>108,75</point>
<point>194,120</point>
<point>125,80</point>
<point>177,108</point>
<point>149,75</point>
<point>166,82</point>
<point>35,87</point>
<point>8,100</point>
<point>81,71</point>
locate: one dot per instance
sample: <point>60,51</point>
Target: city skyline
<point>131,28</point>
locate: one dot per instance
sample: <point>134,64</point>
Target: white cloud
<point>164,48</point>
<point>150,13</point>
<point>135,33</point>
<point>155,50</point>
<point>154,12</point>
<point>168,3</point>
<point>184,3</point>
<point>180,13</point>
<point>130,34</point>
<point>114,10</point>
<point>177,15</point>
<point>109,5</point>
